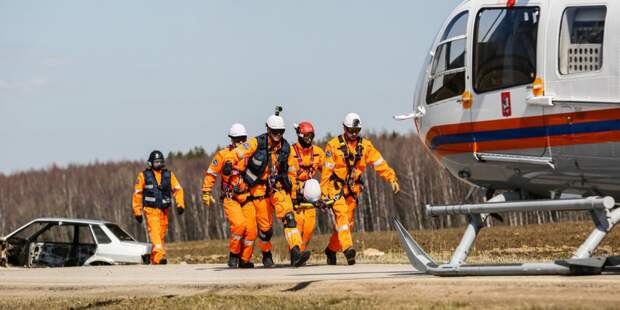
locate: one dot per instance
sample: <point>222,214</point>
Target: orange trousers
<point>281,203</point>
<point>343,211</point>
<point>243,229</point>
<point>306,222</point>
<point>157,226</point>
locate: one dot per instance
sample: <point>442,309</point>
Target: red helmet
<point>305,128</point>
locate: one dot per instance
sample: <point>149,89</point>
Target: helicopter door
<point>505,56</point>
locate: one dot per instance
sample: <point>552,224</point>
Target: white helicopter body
<point>526,96</point>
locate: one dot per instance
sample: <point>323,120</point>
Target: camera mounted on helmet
<point>275,125</point>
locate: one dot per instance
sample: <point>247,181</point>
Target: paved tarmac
<point>185,274</point>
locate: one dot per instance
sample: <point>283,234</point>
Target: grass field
<point>494,245</point>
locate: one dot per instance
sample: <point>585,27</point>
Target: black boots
<point>267,260</point>
<point>245,265</point>
<point>350,255</point>
<point>233,260</point>
<point>331,256</point>
<point>298,258</point>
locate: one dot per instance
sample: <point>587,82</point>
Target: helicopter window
<point>505,48</point>
<point>447,77</point>
<point>581,39</point>
<point>457,27</point>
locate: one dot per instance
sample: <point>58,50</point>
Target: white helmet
<point>352,120</point>
<point>237,130</point>
<point>312,190</point>
<point>275,122</point>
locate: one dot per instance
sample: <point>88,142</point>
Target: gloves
<point>207,199</point>
<point>321,205</point>
<point>395,187</point>
<point>138,218</point>
<point>180,210</point>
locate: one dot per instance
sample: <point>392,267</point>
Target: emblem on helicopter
<point>506,104</point>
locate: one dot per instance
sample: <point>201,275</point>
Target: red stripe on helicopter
<point>527,132</point>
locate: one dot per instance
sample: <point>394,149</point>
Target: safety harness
<point>309,169</point>
<point>351,161</point>
<point>157,195</point>
<point>233,185</point>
<point>260,160</point>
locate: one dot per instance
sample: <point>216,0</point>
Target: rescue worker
<point>346,158</point>
<point>241,216</point>
<point>309,160</point>
<point>152,195</point>
<point>270,175</point>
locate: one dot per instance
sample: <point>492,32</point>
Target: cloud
<point>30,84</point>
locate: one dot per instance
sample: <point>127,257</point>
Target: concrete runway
<point>389,284</point>
<point>184,274</point>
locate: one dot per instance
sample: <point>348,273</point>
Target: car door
<point>52,247</point>
<point>86,245</point>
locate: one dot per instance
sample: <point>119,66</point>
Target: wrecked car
<point>58,242</point>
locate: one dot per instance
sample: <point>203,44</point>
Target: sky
<point>85,81</point>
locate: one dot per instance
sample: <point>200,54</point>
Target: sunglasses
<point>277,132</point>
<point>353,129</point>
<point>238,139</point>
<point>308,136</point>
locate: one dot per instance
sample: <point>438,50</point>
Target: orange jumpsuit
<point>242,220</point>
<point>308,161</point>
<point>336,168</point>
<point>156,219</point>
<point>278,199</point>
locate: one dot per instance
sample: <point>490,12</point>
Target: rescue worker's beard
<point>157,167</point>
<point>303,142</point>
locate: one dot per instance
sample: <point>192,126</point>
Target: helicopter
<point>521,98</point>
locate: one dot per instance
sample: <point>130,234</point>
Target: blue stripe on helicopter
<point>527,132</point>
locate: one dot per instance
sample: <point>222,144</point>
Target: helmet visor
<point>236,140</point>
<point>307,137</point>
<point>277,132</point>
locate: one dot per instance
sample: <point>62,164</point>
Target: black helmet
<point>156,160</point>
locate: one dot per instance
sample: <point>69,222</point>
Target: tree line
<point>104,190</point>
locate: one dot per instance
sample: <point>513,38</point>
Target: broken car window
<point>119,232</point>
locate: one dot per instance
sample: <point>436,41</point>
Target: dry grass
<point>202,301</point>
<point>426,293</point>
<point>494,245</point>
